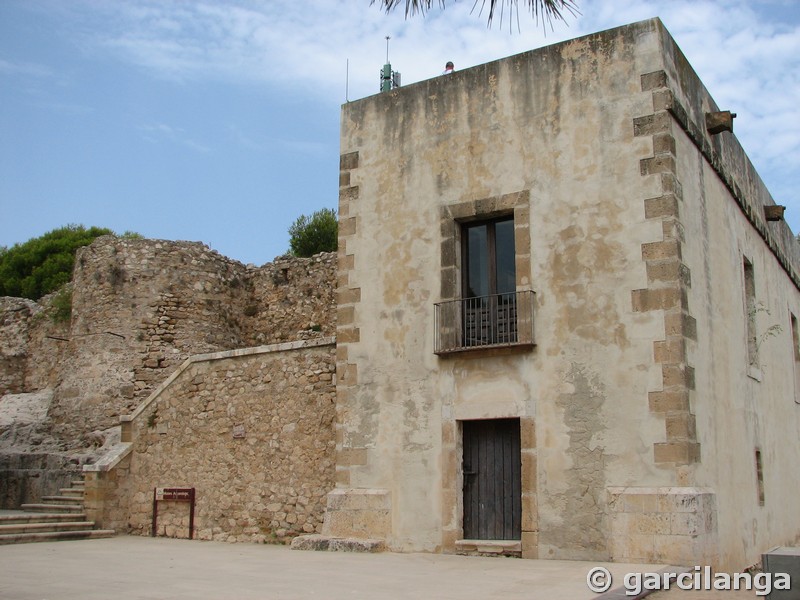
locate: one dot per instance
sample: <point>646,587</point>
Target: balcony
<point>496,321</point>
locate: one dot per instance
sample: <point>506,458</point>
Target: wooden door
<point>492,480</point>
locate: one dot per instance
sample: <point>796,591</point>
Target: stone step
<point>55,536</point>
<point>72,492</point>
<point>21,517</point>
<point>53,508</point>
<point>62,499</point>
<point>335,544</point>
<point>15,528</point>
<point>77,483</point>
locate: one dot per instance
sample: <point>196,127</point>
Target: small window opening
<point>796,355</point>
<point>750,307</point>
<point>760,477</point>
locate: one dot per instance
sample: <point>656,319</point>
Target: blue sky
<point>218,120</point>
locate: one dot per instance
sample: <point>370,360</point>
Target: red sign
<point>175,494</point>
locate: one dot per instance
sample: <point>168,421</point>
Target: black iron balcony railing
<point>482,322</point>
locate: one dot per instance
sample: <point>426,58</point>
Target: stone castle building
<point>565,323</point>
<point>567,319</point>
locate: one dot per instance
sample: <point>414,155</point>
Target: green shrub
<point>62,305</point>
<point>317,233</point>
<point>43,264</point>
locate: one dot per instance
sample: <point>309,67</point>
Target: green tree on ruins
<point>546,10</point>
<point>317,233</point>
<point>43,264</point>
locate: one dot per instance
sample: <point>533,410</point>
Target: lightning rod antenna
<point>389,79</point>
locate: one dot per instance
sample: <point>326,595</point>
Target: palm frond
<point>542,10</point>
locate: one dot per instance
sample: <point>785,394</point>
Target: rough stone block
<point>680,324</point>
<point>667,249</point>
<point>663,100</point>
<point>670,351</point>
<point>688,524</point>
<point>662,206</point>
<point>652,124</point>
<point>529,471</point>
<point>681,427</point>
<point>527,433</point>
<point>349,296</point>
<point>348,161</point>
<point>530,511</point>
<point>352,456</point>
<point>650,523</point>
<point>677,375</point>
<point>648,299</point>
<point>654,80</point>
<point>449,537</point>
<point>347,226</point>
<point>664,143</point>
<point>668,401</point>
<point>717,122</point>
<point>634,503</point>
<point>530,544</point>
<point>345,315</point>
<point>662,163</point>
<point>356,545</point>
<point>342,476</point>
<point>664,271</point>
<point>345,335</point>
<point>679,453</point>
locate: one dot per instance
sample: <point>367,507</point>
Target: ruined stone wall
<point>139,309</point>
<point>292,299</point>
<point>252,431</point>
<point>15,315</point>
<point>30,346</point>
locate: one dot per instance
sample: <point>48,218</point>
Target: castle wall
<point>251,430</point>
<point>545,137</point>
<point>744,394</point>
<point>630,222</point>
<point>139,309</point>
<point>30,352</point>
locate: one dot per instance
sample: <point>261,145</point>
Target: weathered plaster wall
<point>740,407</point>
<point>555,125</point>
<point>634,220</point>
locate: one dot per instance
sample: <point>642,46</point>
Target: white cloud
<point>160,132</point>
<point>748,54</point>
<point>9,67</point>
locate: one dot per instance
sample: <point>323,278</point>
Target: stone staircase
<point>55,518</point>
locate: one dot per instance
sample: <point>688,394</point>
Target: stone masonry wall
<point>139,309</point>
<point>252,431</point>
<point>27,330</point>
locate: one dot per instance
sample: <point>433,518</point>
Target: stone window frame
<point>795,339</point>
<point>454,215</point>
<point>751,308</point>
<point>453,218</point>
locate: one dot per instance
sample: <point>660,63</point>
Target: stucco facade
<point>650,354</point>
